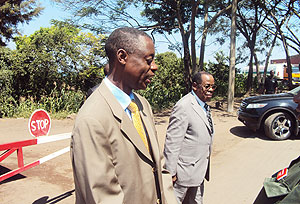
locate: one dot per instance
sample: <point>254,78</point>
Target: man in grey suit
<point>189,138</point>
<point>114,160</point>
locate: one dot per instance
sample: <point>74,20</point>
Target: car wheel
<point>278,126</point>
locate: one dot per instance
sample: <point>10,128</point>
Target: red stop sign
<point>39,123</point>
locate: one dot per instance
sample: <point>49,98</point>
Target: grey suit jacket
<point>110,162</point>
<point>188,142</point>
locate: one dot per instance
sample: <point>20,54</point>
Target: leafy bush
<point>58,104</point>
<point>167,86</point>
<point>220,71</point>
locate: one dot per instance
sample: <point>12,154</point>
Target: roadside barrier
<point>9,148</point>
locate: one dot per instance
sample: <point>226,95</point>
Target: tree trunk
<point>250,74</point>
<point>230,99</point>
<point>258,77</point>
<point>187,67</point>
<point>186,53</point>
<point>207,25</point>
<point>288,60</point>
<point>268,58</point>
<point>203,39</point>
<point>193,40</point>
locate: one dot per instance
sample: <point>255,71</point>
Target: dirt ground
<point>241,160</point>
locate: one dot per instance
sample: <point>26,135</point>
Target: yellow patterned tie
<point>137,122</point>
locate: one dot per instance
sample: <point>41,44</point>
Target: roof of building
<point>295,59</point>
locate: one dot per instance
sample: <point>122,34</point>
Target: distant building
<point>295,59</point>
<point>277,65</point>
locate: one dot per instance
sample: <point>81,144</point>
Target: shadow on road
<point>263,199</point>
<point>162,117</point>
<point>45,199</point>
<point>4,170</point>
<point>244,132</point>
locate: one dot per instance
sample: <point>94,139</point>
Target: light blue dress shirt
<point>201,103</point>
<point>120,95</point>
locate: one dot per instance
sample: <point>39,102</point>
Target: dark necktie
<point>208,115</point>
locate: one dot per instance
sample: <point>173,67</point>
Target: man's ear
<point>122,56</point>
<point>194,86</point>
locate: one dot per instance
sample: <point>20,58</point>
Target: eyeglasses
<point>209,86</point>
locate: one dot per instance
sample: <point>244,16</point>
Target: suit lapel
<point>126,125</point>
<point>199,110</point>
<point>128,128</point>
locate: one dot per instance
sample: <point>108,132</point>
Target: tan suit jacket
<point>110,162</point>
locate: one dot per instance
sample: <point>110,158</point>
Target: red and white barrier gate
<point>9,148</point>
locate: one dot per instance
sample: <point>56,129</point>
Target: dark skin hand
<point>174,179</point>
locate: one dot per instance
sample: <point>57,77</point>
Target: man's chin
<point>208,98</point>
<point>142,87</point>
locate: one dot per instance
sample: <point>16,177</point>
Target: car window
<point>295,90</point>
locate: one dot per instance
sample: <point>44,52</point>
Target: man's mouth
<point>209,94</point>
<point>148,80</point>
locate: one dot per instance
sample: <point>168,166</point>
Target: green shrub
<point>220,71</point>
<point>58,104</point>
<point>167,86</point>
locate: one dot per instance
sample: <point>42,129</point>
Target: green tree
<point>14,12</point>
<point>6,80</point>
<point>284,17</point>
<point>56,57</point>
<point>220,71</point>
<point>250,19</point>
<point>167,86</point>
<point>166,17</point>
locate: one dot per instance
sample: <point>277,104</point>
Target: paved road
<point>238,171</point>
<point>241,160</point>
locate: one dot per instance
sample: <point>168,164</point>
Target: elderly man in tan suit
<point>114,147</point>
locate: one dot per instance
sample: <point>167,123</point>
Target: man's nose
<point>154,66</point>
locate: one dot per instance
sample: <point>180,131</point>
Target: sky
<point>53,11</point>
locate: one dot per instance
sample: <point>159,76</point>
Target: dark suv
<point>273,113</point>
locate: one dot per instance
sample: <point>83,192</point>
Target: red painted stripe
<point>6,154</point>
<point>19,170</point>
<point>18,144</point>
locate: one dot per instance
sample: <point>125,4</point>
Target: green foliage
<point>6,75</point>
<point>220,71</point>
<point>58,104</point>
<point>56,57</point>
<point>50,69</point>
<point>14,12</point>
<point>167,87</point>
